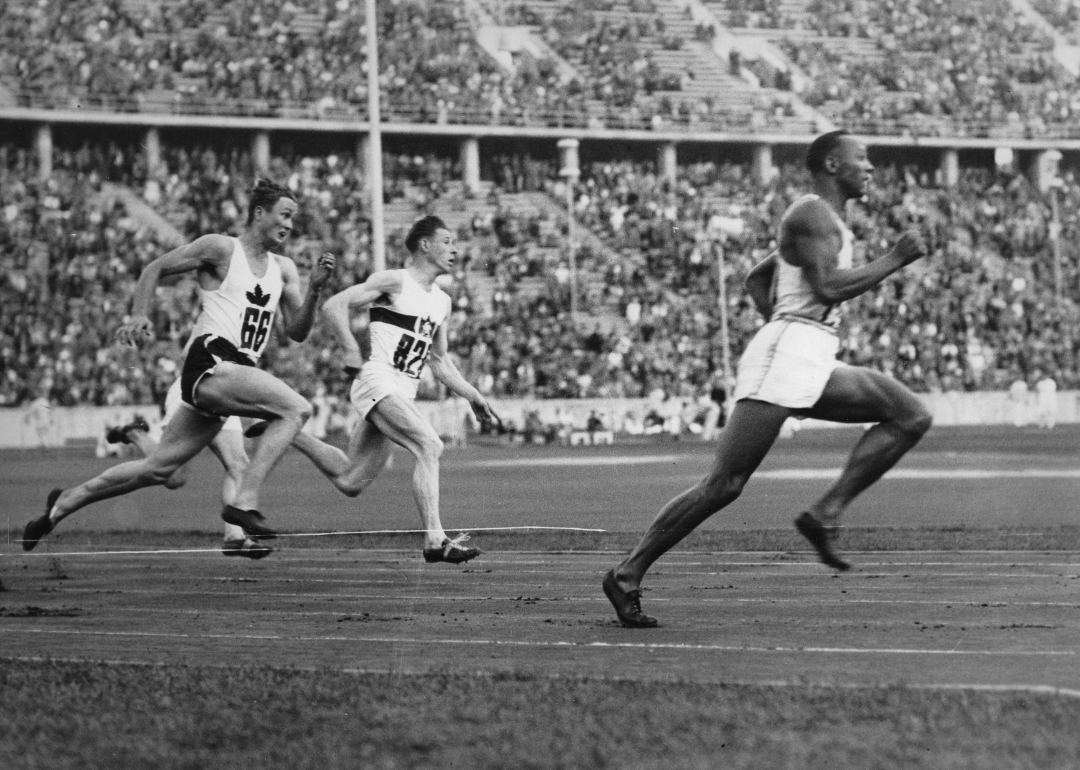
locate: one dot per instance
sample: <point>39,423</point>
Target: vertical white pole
<point>570,248</point>
<point>375,182</point>
<point>1055,236</point>
<point>725,338</point>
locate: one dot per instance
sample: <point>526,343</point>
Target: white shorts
<point>377,381</point>
<point>173,401</point>
<point>788,363</point>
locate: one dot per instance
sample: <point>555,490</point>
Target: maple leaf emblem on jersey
<point>257,297</point>
<point>426,328</point>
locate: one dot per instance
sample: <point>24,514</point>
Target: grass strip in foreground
<point>66,714</point>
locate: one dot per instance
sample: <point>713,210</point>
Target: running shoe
<point>627,604</point>
<point>256,429</point>
<point>820,536</point>
<point>452,551</point>
<point>246,547</point>
<point>120,435</point>
<point>252,522</point>
<point>42,526</point>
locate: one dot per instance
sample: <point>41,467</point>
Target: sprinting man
<point>241,283</point>
<point>407,329</point>
<point>227,446</point>
<point>790,369</point>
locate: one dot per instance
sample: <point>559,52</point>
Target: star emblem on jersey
<point>257,297</point>
<point>426,327</point>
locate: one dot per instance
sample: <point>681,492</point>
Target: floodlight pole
<point>1055,238</point>
<point>375,177</point>
<point>721,299</point>
<point>570,172</point>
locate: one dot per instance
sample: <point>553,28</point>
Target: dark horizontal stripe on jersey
<point>387,316</point>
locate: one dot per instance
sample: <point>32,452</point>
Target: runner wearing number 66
<point>408,317</point>
<point>242,284</point>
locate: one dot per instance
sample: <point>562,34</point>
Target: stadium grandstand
<point>130,126</point>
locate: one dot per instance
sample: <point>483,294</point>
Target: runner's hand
<point>486,415</point>
<point>352,363</point>
<point>910,247</point>
<point>135,331</point>
<point>323,270</point>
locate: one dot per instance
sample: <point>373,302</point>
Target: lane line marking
<point>559,644</point>
<point>675,601</point>
<point>924,474</point>
<point>779,474</point>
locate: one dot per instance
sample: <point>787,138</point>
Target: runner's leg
<point>351,472</point>
<point>142,441</point>
<point>744,442</point>
<point>249,392</point>
<point>859,395</point>
<point>228,447</point>
<point>187,433</point>
<point>401,422</point>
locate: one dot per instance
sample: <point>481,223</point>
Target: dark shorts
<point>205,353</point>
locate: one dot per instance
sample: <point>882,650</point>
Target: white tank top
<point>792,292</point>
<point>402,331</point>
<point>241,310</point>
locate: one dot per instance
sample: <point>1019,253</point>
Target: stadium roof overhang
<point>244,123</point>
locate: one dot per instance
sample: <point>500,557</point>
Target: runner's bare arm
<point>812,240</point>
<point>300,313</point>
<point>208,251</point>
<point>338,311</point>
<point>446,372</point>
<point>759,285</point>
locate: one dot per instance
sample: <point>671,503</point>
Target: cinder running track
<point>996,618</point>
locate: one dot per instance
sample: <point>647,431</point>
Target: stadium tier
<point>978,314</point>
<point>987,68</point>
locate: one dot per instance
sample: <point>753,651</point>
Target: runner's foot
<point>452,551</point>
<point>42,526</point>
<point>252,522</point>
<point>247,548</point>
<point>820,536</point>
<point>120,435</point>
<point>627,604</point>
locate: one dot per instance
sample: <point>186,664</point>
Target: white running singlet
<point>792,292</point>
<point>402,331</point>
<point>242,309</point>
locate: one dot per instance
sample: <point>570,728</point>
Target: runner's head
<point>271,211</point>
<point>431,240</point>
<point>842,158</point>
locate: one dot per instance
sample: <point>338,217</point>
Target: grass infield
<point>60,714</point>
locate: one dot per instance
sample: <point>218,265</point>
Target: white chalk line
<point>594,645</point>
<point>920,474</point>
<point>784,474</point>
<point>530,596</point>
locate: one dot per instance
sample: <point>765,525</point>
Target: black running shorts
<point>205,353</point>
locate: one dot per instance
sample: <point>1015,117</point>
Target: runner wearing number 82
<point>407,331</point>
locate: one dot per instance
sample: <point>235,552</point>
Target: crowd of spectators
<point>1063,16</point>
<point>987,307</point>
<point>307,59</point>
<point>936,68</point>
<point>295,59</point>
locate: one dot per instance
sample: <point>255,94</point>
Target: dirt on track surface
<point>942,619</point>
